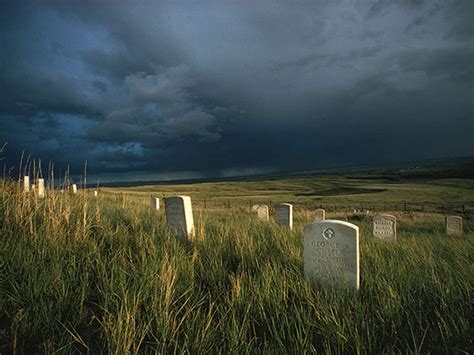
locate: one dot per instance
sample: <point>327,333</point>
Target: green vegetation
<point>85,274</point>
<point>333,192</point>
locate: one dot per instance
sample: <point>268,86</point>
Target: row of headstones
<point>384,225</point>
<point>284,214</point>
<point>179,214</point>
<point>40,190</point>
<point>331,247</point>
<point>38,187</point>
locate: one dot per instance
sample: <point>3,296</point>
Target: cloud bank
<point>213,87</point>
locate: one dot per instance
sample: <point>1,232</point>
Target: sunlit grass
<point>88,274</point>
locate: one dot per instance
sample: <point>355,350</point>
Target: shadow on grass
<point>338,191</point>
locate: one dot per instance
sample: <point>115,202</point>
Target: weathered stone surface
<point>179,216</point>
<point>26,183</point>
<point>155,203</point>
<point>453,225</point>
<point>262,213</point>
<point>385,227</point>
<point>320,214</point>
<point>284,215</point>
<point>331,253</point>
<point>41,189</point>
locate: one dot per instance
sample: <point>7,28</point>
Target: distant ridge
<point>462,167</point>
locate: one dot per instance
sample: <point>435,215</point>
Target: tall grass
<point>85,274</point>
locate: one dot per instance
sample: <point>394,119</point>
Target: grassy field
<point>333,192</point>
<point>85,274</point>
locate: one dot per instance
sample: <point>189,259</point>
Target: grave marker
<point>74,189</point>
<point>385,227</point>
<point>453,225</point>
<point>284,214</point>
<point>155,203</point>
<point>26,183</point>
<point>262,213</point>
<point>320,214</point>
<point>331,253</point>
<point>41,192</point>
<point>179,216</point>
<point>96,193</point>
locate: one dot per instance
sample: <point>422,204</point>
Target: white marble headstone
<point>74,188</point>
<point>284,215</point>
<point>262,213</point>
<point>453,225</point>
<point>155,203</point>
<point>41,191</point>
<point>385,227</point>
<point>320,214</point>
<point>96,193</point>
<point>179,216</point>
<point>26,183</point>
<point>331,253</point>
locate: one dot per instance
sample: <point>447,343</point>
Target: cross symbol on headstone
<point>328,233</point>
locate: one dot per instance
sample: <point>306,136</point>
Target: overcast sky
<point>178,89</point>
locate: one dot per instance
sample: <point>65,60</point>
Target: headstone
<point>453,225</point>
<point>320,214</point>
<point>96,193</point>
<point>254,208</point>
<point>262,213</point>
<point>26,183</point>
<point>41,192</point>
<point>284,214</point>
<point>385,227</point>
<point>155,203</point>
<point>179,216</point>
<point>74,189</point>
<point>331,253</point>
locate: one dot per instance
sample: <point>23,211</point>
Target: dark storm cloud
<point>223,87</point>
